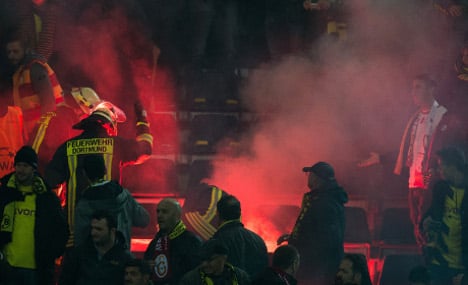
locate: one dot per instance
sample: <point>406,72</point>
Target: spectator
<point>106,195</point>
<point>174,250</point>
<point>419,275</point>
<point>137,272</point>
<point>34,229</point>
<point>101,259</point>
<point>430,128</point>
<point>444,225</point>
<point>319,230</point>
<point>36,89</point>
<point>38,24</point>
<point>99,136</point>
<point>283,268</point>
<point>246,249</point>
<point>215,269</point>
<point>353,271</point>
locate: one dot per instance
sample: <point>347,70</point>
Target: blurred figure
<point>246,249</point>
<point>216,20</point>
<point>173,250</point>
<point>38,24</point>
<point>353,271</point>
<point>34,229</point>
<point>36,89</point>
<point>200,209</point>
<point>430,128</point>
<point>419,275</point>
<point>319,230</point>
<point>99,136</point>
<point>215,269</point>
<point>12,134</point>
<point>101,259</point>
<point>137,272</point>
<point>283,268</point>
<point>106,195</point>
<point>444,224</point>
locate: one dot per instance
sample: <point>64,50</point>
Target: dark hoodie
<point>110,196</point>
<point>319,229</point>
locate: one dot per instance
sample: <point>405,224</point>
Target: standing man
<point>319,230</point>
<point>174,250</point>
<point>36,89</point>
<point>353,271</point>
<point>99,136</point>
<point>101,259</point>
<point>428,130</point>
<point>283,268</point>
<point>33,228</point>
<point>445,224</point>
<point>246,249</point>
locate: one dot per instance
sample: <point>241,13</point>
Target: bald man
<point>174,250</point>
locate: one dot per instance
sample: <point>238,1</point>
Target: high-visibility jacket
<point>12,138</point>
<point>24,95</point>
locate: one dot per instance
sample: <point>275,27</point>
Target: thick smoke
<point>352,100</point>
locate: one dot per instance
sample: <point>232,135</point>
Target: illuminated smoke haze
<point>354,100</point>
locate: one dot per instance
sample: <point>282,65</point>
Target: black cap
<point>27,155</point>
<point>212,247</point>
<point>322,170</point>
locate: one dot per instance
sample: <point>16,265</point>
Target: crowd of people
<point>65,216</point>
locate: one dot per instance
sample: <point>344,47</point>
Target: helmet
<point>86,98</point>
<point>105,114</point>
<point>110,111</point>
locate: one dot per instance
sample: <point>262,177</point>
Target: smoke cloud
<point>352,100</point>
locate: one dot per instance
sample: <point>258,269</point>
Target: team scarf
<point>161,255</point>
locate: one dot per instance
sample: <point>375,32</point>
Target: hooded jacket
<point>319,229</point>
<point>110,196</point>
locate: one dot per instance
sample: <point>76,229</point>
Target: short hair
<point>229,208</point>
<point>419,274</point>
<point>284,256</point>
<point>427,79</point>
<point>105,215</point>
<point>141,264</point>
<point>454,156</point>
<point>359,266</point>
<point>94,166</point>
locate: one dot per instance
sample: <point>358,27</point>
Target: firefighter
<point>99,136</point>
<point>54,127</point>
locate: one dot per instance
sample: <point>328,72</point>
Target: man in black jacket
<point>319,230</point>
<point>101,260</point>
<point>174,250</point>
<point>246,249</point>
<point>33,228</point>
<point>283,269</point>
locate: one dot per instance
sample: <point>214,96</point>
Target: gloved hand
<point>140,113</point>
